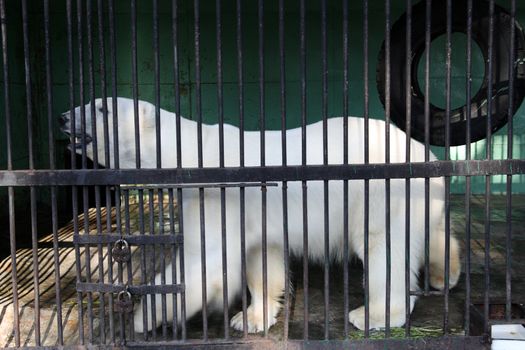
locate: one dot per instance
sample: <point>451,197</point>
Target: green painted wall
<point>60,89</point>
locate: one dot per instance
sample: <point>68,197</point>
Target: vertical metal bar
<point>107,162</point>
<point>84,163</point>
<point>468,178</point>
<point>286,251</point>
<point>54,219</point>
<point>324,107</point>
<point>448,64</point>
<point>114,102</point>
<point>30,135</point>
<point>388,278</point>
<point>486,305</point>
<point>200,164</point>
<point>366,204</point>
<point>34,230</point>
<point>428,27</point>
<point>220,107</point>
<point>143,269</point>
<point>242,197</point>
<point>152,272</point>
<point>182,268</point>
<point>7,98</point>
<point>134,81</point>
<point>74,190</point>
<point>262,125</point>
<point>158,143</point>
<point>171,209</point>
<point>179,191</point>
<point>116,163</point>
<point>346,252</point>
<point>14,273</point>
<point>408,103</point>
<point>94,143</point>
<point>510,127</point>
<point>129,267</point>
<point>10,190</point>
<point>302,35</point>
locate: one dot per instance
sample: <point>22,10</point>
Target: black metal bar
<point>74,190</point>
<point>7,103</point>
<point>468,179</point>
<point>428,26</point>
<point>158,140</point>
<point>112,49</point>
<point>324,109</point>
<point>302,35</point>
<point>10,190</point>
<point>134,238</point>
<point>346,253</point>
<point>366,204</point>
<point>182,268</point>
<point>164,311</point>
<point>220,108</point>
<point>242,194</point>
<point>486,292</point>
<point>510,131</point>
<point>388,277</point>
<point>196,7</point>
<point>28,85</point>
<point>286,249</point>
<point>128,265</point>
<point>199,185</point>
<point>113,55</point>
<point>448,65</point>
<point>105,127</point>
<point>134,81</point>
<point>200,176</point>
<point>94,144</point>
<point>30,139</point>
<point>262,128</point>
<point>142,289</point>
<point>171,209</point>
<point>151,272</point>
<point>175,33</point>
<point>408,118</point>
<point>471,343</point>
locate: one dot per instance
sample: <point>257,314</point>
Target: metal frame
<point>240,177</point>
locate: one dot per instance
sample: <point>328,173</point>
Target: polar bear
<point>253,218</point>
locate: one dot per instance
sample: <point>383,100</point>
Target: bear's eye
<point>101,110</point>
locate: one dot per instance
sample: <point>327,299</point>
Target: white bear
<point>253,217</point>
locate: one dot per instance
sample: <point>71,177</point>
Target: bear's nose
<point>63,119</point>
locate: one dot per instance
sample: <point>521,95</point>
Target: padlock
<point>124,303</point>
<point>121,252</point>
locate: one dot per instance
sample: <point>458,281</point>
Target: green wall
<point>60,89</point>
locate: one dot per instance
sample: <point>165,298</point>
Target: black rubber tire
<point>478,104</point>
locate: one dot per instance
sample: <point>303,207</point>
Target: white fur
<point>276,280</point>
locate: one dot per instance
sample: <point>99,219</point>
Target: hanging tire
<point>479,103</point>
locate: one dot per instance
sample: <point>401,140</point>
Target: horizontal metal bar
<point>197,185</point>
<point>134,239</point>
<point>450,342</point>
<point>422,293</point>
<point>134,290</point>
<point>90,177</point>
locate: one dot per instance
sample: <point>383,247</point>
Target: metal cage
<point>116,229</point>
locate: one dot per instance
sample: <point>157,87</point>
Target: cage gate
<point>182,173</point>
